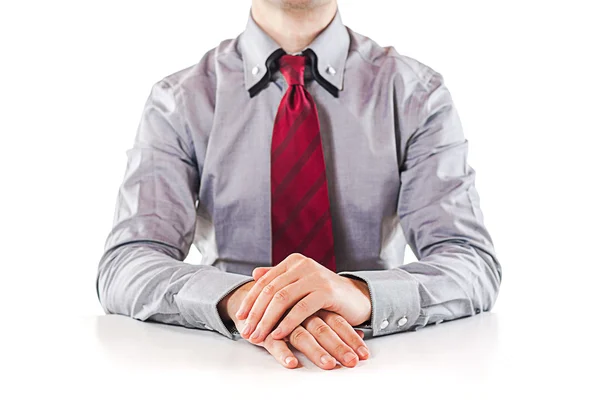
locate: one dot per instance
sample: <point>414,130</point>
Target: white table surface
<point>108,357</point>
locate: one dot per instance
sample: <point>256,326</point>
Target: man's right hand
<point>321,336</point>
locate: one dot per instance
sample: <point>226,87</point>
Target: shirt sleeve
<point>141,273</point>
<point>457,273</point>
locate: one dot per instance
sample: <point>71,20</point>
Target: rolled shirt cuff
<point>395,300</point>
<point>198,298</point>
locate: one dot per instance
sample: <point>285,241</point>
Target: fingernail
<point>326,359</point>
<point>246,329</point>
<point>276,331</point>
<point>255,335</point>
<point>362,351</point>
<point>348,357</point>
<point>289,360</point>
<point>238,314</point>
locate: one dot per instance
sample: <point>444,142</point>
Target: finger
<point>276,290</point>
<point>346,332</point>
<point>330,341</point>
<point>284,299</point>
<point>280,350</point>
<point>258,272</point>
<point>360,333</point>
<point>302,340</point>
<point>282,267</point>
<point>248,301</point>
<point>301,310</point>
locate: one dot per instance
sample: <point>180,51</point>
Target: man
<point>306,148</point>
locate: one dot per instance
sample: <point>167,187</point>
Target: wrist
<point>229,304</point>
<point>363,287</point>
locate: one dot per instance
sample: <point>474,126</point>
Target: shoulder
<point>200,78</point>
<point>189,94</point>
<point>388,62</point>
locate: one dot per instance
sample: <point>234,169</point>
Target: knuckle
<point>324,275</point>
<point>261,281</point>
<point>253,315</point>
<point>297,335</point>
<point>355,343</point>
<point>321,329</point>
<point>282,295</point>
<point>318,276</point>
<point>338,322</point>
<point>268,289</point>
<point>302,305</point>
<point>327,288</point>
<point>340,349</point>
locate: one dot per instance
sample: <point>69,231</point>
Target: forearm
<point>148,281</point>
<point>452,282</point>
<point>455,280</point>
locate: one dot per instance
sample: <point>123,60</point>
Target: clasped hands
<point>316,307</point>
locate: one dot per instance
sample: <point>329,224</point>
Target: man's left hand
<point>306,286</point>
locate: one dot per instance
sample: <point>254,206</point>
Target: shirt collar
<point>330,46</point>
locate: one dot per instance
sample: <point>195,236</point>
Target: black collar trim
<point>272,65</point>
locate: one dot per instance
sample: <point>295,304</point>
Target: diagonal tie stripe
<point>300,206</point>
<point>297,229</point>
<point>300,163</point>
<point>314,231</point>
<point>280,148</point>
<point>294,135</point>
<point>300,210</point>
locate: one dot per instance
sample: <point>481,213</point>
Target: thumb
<point>259,271</point>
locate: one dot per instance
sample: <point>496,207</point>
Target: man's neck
<point>292,29</point>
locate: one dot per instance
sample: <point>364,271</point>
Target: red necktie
<point>300,213</point>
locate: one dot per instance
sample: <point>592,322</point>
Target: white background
<point>523,75</point>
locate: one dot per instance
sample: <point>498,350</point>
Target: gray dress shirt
<point>396,163</point>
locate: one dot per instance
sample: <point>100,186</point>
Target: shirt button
<point>384,324</point>
<point>255,70</point>
<point>402,321</point>
<point>330,70</point>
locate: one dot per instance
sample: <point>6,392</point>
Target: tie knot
<point>292,69</point>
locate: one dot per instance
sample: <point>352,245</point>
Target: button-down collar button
<point>402,321</point>
<point>384,324</point>
<point>330,70</point>
<point>255,70</point>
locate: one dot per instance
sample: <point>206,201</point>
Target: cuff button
<point>402,321</point>
<point>384,324</point>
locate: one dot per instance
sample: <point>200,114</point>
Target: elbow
<point>139,280</point>
<point>101,282</point>
<point>110,297</point>
<point>490,280</point>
